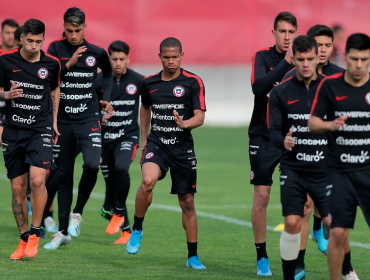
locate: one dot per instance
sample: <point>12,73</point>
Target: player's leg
<point>51,187</point>
<point>336,245</point>
<point>107,169</point>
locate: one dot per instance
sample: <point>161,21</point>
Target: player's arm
<point>195,121</point>
<point>55,97</point>
<point>13,93</point>
<point>318,125</point>
<point>145,116</point>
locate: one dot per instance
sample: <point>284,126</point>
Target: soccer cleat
<point>50,225</point>
<point>106,214</point>
<point>299,274</point>
<point>19,252</point>
<point>115,224</point>
<point>29,208</point>
<point>74,226</point>
<point>58,240</point>
<point>125,236</point>
<point>43,233</point>
<point>133,244</point>
<point>32,245</point>
<point>318,236</point>
<point>263,267</point>
<point>351,276</point>
<point>195,263</point>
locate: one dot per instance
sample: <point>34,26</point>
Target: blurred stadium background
<point>219,37</point>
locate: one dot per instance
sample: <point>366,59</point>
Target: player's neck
<point>308,81</point>
<point>5,48</point>
<point>356,83</point>
<point>118,76</point>
<point>170,76</point>
<point>29,58</point>
<point>320,67</point>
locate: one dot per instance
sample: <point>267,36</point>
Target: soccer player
<point>302,162</point>
<point>120,137</point>
<point>176,100</point>
<point>344,98</point>
<point>78,119</point>
<point>17,37</point>
<point>269,67</point>
<point>8,28</point>
<point>29,82</point>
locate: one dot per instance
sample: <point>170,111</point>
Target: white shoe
<point>58,240</point>
<point>50,225</point>
<point>74,226</point>
<point>351,276</point>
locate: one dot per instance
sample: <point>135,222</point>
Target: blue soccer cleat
<point>318,236</point>
<point>195,263</point>
<point>133,245</point>
<point>263,267</point>
<point>299,274</point>
<point>29,208</point>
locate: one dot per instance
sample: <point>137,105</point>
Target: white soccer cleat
<point>58,240</point>
<point>351,276</point>
<point>74,226</point>
<point>50,225</point>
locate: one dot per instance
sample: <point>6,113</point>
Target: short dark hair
<point>320,30</point>
<point>337,27</point>
<point>358,41</point>
<point>74,15</point>
<point>33,26</point>
<point>18,32</point>
<point>170,42</point>
<point>118,46</point>
<point>286,16</point>
<point>304,43</point>
<point>10,22</point>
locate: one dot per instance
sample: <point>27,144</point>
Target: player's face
<point>118,61</point>
<point>171,59</point>
<point>7,35</point>
<point>32,44</point>
<point>357,63</point>
<point>325,45</point>
<point>74,34</point>
<point>284,35</point>
<point>306,63</point>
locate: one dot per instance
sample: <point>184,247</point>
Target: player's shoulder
<point>333,79</point>
<point>290,73</point>
<point>57,42</point>
<point>135,74</point>
<point>264,51</point>
<point>190,75</point>
<point>153,77</point>
<point>10,53</point>
<point>95,48</point>
<point>50,58</point>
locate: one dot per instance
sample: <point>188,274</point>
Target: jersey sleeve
<point>99,86</point>
<point>55,78</point>
<point>320,102</point>
<point>145,98</point>
<point>275,120</point>
<point>291,73</point>
<point>198,95</point>
<point>263,81</point>
<point>2,73</point>
<point>107,78</point>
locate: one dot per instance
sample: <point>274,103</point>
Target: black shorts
<point>294,187</point>
<point>183,172</point>
<point>263,157</point>
<point>2,115</point>
<point>25,147</point>
<point>347,191</point>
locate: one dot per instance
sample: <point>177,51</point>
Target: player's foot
<point>58,240</point>
<point>316,235</point>
<point>29,208</point>
<point>299,274</point>
<point>50,225</point>
<point>195,263</point>
<point>19,252</point>
<point>42,233</point>
<point>263,267</point>
<point>322,243</point>
<point>351,276</point>
<point>133,244</point>
<point>106,214</point>
<point>74,226</point>
<point>115,224</point>
<point>32,245</point>
<point>125,236</point>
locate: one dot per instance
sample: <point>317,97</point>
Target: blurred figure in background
<point>8,28</point>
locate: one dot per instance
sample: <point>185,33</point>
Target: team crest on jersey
<point>367,98</point>
<point>131,89</point>
<point>178,91</point>
<point>90,61</point>
<point>149,155</point>
<point>252,175</point>
<point>43,73</point>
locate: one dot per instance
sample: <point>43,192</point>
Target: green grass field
<point>226,244</point>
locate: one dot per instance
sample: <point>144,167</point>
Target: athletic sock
<point>35,230</point>
<point>316,223</point>
<point>24,236</point>
<point>300,260</point>
<point>50,213</point>
<point>119,211</point>
<point>192,249</point>
<point>63,225</point>
<point>347,266</point>
<point>126,223</point>
<point>261,250</point>
<point>138,223</point>
<point>288,269</point>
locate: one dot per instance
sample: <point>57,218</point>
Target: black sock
<point>192,249</point>
<point>126,223</point>
<point>300,260</point>
<point>261,250</point>
<point>316,223</point>
<point>347,266</point>
<point>119,211</point>
<point>63,225</point>
<point>289,269</point>
<point>50,213</point>
<point>24,236</point>
<point>138,223</point>
<point>35,230</point>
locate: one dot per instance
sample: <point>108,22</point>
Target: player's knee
<point>262,198</point>
<point>148,183</point>
<point>293,224</point>
<point>187,203</point>
<point>37,182</point>
<point>122,170</point>
<point>91,166</point>
<point>338,236</point>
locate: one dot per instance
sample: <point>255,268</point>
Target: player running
<point>29,82</point>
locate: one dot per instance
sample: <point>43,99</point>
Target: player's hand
<point>106,106</point>
<point>178,119</point>
<point>14,92</point>
<point>56,134</point>
<point>75,56</point>
<point>337,123</point>
<point>289,54</point>
<point>289,141</point>
<point>106,117</point>
<point>142,152</point>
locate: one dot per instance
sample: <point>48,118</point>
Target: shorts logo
<point>90,61</point>
<point>131,89</point>
<point>42,73</point>
<point>101,160</point>
<point>194,186</point>
<point>252,175</point>
<point>149,155</point>
<point>367,98</point>
<point>178,91</point>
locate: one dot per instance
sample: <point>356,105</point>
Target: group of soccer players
<point>317,127</point>
<point>57,102</point>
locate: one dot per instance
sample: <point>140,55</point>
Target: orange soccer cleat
<point>125,236</point>
<point>19,252</point>
<point>32,245</point>
<point>115,223</point>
